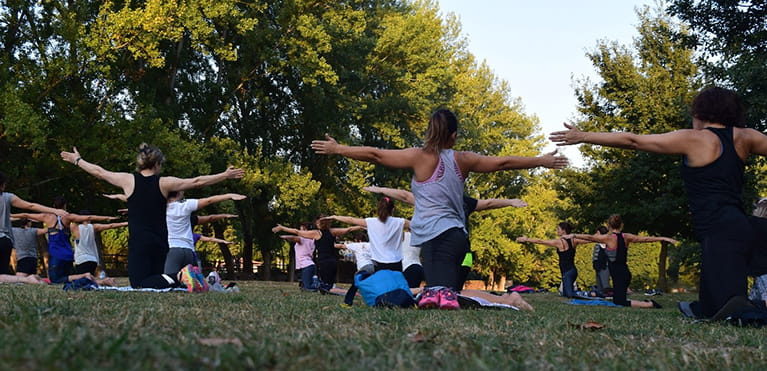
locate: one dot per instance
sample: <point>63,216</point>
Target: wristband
<point>77,160</point>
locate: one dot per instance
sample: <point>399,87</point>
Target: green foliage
<point>732,39</point>
<point>643,90</point>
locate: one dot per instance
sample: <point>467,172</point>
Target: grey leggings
<point>179,257</point>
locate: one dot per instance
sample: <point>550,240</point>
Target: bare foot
<point>109,281</point>
<point>516,300</point>
<point>33,279</point>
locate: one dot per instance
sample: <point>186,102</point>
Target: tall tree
<point>732,38</point>
<point>644,90</point>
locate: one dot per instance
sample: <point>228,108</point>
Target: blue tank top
<point>59,245</point>
<point>714,191</point>
<point>567,257</point>
<point>438,201</point>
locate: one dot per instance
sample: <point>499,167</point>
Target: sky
<point>539,48</point>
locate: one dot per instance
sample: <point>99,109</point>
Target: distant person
<point>61,258</point>
<point>7,202</point>
<point>25,243</point>
<point>599,262</point>
<point>618,242</point>
<point>304,251</point>
<point>147,193</point>
<point>565,247</point>
<point>325,242</point>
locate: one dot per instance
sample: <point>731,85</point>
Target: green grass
<point>272,325</point>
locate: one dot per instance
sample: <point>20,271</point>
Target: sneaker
<point>686,309</point>
<point>448,299</point>
<point>653,292</point>
<point>429,299</point>
<point>202,282</point>
<point>187,278</point>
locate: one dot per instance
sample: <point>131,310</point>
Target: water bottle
<point>315,282</point>
<point>102,275</point>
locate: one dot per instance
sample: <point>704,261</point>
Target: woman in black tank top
<point>566,250</point>
<point>714,152</point>
<point>325,245</point>
<point>618,242</point>
<point>147,193</point>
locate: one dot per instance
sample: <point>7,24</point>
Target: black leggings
<point>326,271</point>
<point>442,257</point>
<point>86,267</point>
<point>6,246</point>
<point>621,279</point>
<point>723,270</point>
<point>146,265</point>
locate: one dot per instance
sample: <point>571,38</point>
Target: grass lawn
<point>272,325</point>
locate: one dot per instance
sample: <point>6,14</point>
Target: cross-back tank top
<point>59,245</point>
<point>438,201</point>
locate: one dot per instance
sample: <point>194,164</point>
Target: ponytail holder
<point>387,199</point>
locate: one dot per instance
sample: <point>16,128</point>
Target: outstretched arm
<point>117,196</point>
<point>641,239</point>
<point>397,194</point>
<point>396,158</point>
<point>680,142</point>
<point>122,180</point>
<point>169,183</point>
<point>472,162</point>
<point>26,205</point>
<point>204,219</point>
<point>315,234</point>
<point>348,220</point>
<point>553,243</point>
<point>293,239</point>
<point>213,239</point>
<point>103,227</point>
<point>600,238</point>
<point>35,217</point>
<point>342,231</point>
<point>89,218</point>
<point>218,198</point>
<point>498,203</point>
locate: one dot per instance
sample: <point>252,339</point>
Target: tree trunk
<point>662,258</point>
<point>292,264</point>
<point>501,284</point>
<point>218,232</point>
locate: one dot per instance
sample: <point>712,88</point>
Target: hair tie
<point>387,199</point>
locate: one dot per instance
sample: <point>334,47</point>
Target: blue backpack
<point>384,288</point>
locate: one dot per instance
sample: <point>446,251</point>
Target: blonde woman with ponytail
<point>147,192</point>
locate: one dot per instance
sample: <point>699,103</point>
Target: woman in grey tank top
<point>438,175</point>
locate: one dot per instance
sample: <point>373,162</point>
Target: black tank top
<point>146,213</point>
<point>714,191</point>
<point>622,252</point>
<point>326,246</point>
<point>567,257</point>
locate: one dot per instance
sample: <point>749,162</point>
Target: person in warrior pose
<point>438,224</point>
<point>147,193</point>
<point>713,153</point>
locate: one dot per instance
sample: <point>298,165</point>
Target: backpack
<point>384,288</point>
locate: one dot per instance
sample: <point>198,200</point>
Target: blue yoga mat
<point>603,303</point>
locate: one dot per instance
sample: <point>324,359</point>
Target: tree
<point>644,91</point>
<point>732,38</point>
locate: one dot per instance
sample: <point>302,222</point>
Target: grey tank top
<point>438,201</point>
<point>5,215</point>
